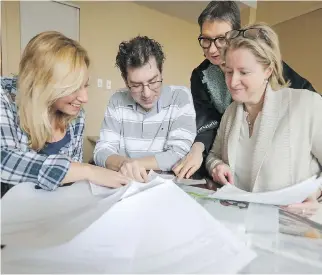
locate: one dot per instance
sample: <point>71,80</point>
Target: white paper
<point>190,181</point>
<point>293,194</point>
<point>131,189</point>
<point>38,218</point>
<point>136,187</point>
<point>153,174</point>
<point>160,230</point>
<point>127,190</point>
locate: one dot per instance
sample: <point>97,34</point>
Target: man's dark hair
<point>137,52</point>
<point>227,11</point>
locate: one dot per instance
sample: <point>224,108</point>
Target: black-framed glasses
<point>205,42</point>
<point>250,33</point>
<point>153,85</point>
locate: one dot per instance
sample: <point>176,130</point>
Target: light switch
<point>99,83</point>
<point>108,84</point>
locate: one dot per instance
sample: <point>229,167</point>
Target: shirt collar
<point>159,105</point>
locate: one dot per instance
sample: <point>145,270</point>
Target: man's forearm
<point>114,162</point>
<point>148,163</point>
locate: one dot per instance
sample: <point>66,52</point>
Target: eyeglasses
<point>205,42</point>
<point>138,88</point>
<point>251,33</point>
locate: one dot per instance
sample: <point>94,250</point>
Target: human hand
<point>222,174</point>
<point>131,168</point>
<point>188,165</point>
<point>106,177</point>
<point>307,208</point>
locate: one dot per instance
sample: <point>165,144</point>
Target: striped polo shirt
<point>166,132</point>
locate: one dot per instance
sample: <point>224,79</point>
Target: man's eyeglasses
<point>153,85</point>
<point>205,42</point>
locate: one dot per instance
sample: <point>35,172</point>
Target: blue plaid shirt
<point>20,163</point>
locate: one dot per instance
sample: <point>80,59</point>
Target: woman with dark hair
<point>209,91</point>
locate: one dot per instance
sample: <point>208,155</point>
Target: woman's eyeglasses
<point>250,33</point>
<point>205,42</point>
<point>222,41</point>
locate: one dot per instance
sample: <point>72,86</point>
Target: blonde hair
<point>265,48</point>
<point>52,66</point>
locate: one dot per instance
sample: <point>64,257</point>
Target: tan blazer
<point>288,148</point>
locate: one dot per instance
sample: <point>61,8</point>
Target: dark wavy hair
<point>137,52</point>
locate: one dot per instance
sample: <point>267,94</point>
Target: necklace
<point>250,124</point>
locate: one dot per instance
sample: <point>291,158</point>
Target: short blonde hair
<point>266,50</point>
<point>52,66</point>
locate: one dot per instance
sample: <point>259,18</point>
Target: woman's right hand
<point>106,177</point>
<point>222,174</point>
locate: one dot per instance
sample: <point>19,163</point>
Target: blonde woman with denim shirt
<point>270,136</point>
<point>42,132</point>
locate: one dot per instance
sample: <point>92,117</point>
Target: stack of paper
<point>160,230</point>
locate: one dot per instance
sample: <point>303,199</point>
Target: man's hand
<point>132,169</point>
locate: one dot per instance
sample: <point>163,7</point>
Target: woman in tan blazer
<point>270,137</point>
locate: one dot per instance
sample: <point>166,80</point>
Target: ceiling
<point>185,10</point>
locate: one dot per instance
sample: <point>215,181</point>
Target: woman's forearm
<point>77,171</point>
<point>198,146</point>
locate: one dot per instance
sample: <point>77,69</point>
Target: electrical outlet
<point>99,83</point>
<point>108,84</point>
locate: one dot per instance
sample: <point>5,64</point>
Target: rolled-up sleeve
<point>182,131</point>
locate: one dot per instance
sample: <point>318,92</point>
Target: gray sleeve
<point>182,131</point>
<point>110,136</point>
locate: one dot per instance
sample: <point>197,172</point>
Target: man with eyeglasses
<point>219,22</point>
<point>147,125</point>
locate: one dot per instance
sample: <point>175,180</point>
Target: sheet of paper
<point>38,218</point>
<point>160,230</point>
<point>152,175</point>
<point>132,188</point>
<point>136,187</point>
<point>289,195</point>
<point>55,227</point>
<point>172,177</point>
